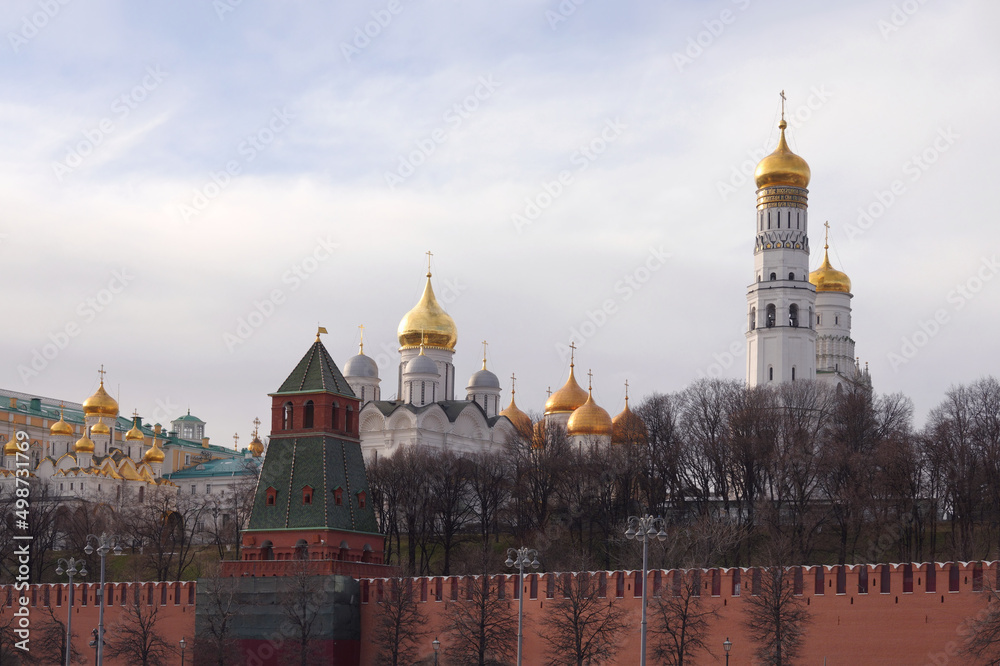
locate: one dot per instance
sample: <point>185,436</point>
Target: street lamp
<point>727,645</point>
<point>183,645</point>
<point>104,543</point>
<point>68,567</point>
<point>520,558</point>
<point>436,644</point>
<point>646,527</point>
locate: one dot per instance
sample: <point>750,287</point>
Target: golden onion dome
<point>60,428</point>
<point>521,421</point>
<point>256,446</point>
<point>11,448</point>
<point>100,404</point>
<point>589,419</point>
<point>153,453</point>
<point>100,429</point>
<point>782,167</point>
<point>427,322</point>
<point>134,434</point>
<point>84,445</point>
<point>567,399</point>
<point>828,278</point>
<point>628,427</point>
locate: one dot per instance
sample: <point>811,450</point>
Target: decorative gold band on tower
<point>787,197</point>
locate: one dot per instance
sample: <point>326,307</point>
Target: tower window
<point>286,417</point>
<point>791,276</point>
<point>307,495</point>
<point>774,276</point>
<point>793,373</point>
<point>758,277</point>
<point>770,374</point>
<point>819,319</point>
<point>836,320</point>
<point>793,315</point>
<point>338,496</point>
<point>770,314</point>
<point>779,219</point>
<point>362,498</point>
<point>272,497</point>
<point>307,414</point>
<point>753,318</point>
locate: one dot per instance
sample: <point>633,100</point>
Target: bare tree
<point>483,625</point>
<point>448,483</point>
<point>135,638</point>
<point>489,491</point>
<point>982,631</point>
<point>399,625</point>
<point>680,621</point>
<point>582,626</point>
<point>164,526</point>
<point>48,642</point>
<point>775,617</point>
<point>301,602</point>
<point>219,601</point>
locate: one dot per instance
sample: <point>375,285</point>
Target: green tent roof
<point>315,373</point>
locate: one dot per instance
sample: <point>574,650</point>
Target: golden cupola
<point>627,426</point>
<point>11,448</point>
<point>134,434</point>
<point>60,428</point>
<point>84,445</point>
<point>100,404</point>
<point>154,454</point>
<point>828,278</point>
<point>782,167</point>
<point>100,429</point>
<point>567,399</point>
<point>590,419</point>
<point>427,322</point>
<point>521,421</point>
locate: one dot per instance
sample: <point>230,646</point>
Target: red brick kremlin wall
<point>903,617</point>
<point>175,617</point>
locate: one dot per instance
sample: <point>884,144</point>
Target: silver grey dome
<point>484,379</point>
<point>421,365</point>
<point>361,366</point>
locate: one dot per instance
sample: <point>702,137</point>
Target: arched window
<point>774,277</point>
<point>758,277</point>
<point>267,551</point>
<point>811,317</point>
<point>793,315</point>
<point>301,550</point>
<point>335,416</point>
<point>349,420</point>
<point>307,414</point>
<point>770,374</point>
<point>272,497</point>
<point>307,495</point>
<point>791,276</point>
<point>793,373</point>
<point>286,417</point>
<point>770,314</point>
<point>753,318</point>
<point>836,320</point>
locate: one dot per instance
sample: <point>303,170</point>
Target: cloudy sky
<point>190,187</point>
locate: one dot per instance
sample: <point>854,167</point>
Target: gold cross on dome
<point>236,441</point>
<point>429,255</point>
<point>782,104</point>
<point>512,380</point>
<point>590,379</point>
<point>572,353</point>
<point>361,327</point>
<point>484,353</point>
<point>101,373</point>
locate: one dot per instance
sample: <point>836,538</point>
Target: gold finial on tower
<point>236,441</point>
<point>361,327</point>
<point>783,124</point>
<point>826,238</point>
<point>572,353</point>
<point>429,255</point>
<point>101,373</point>
<point>626,393</point>
<point>319,329</point>
<point>548,391</point>
<point>484,354</point>
<point>590,380</point>
<point>256,424</point>
<point>512,380</point>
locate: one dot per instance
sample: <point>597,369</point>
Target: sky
<point>190,188</point>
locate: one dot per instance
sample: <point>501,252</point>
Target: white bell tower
<point>781,341</point>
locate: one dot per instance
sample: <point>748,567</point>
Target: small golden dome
<point>84,445</point>
<point>627,427</point>
<point>60,428</point>
<point>782,167</point>
<point>100,429</point>
<point>589,419</point>
<point>521,421</point>
<point>100,404</point>
<point>427,322</point>
<point>256,446</point>
<point>567,399</point>
<point>828,278</point>
<point>134,434</point>
<point>153,453</point>
<point>11,448</point>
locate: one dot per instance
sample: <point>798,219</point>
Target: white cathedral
<point>799,322</point>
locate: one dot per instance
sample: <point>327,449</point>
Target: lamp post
<point>727,645</point>
<point>68,567</point>
<point>104,543</point>
<point>183,645</point>
<point>436,644</point>
<point>521,557</point>
<point>645,527</point>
